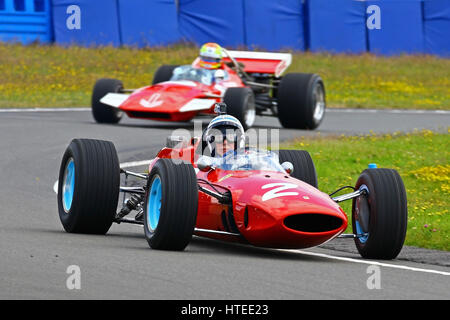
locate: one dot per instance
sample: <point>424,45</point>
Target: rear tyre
<point>103,113</point>
<point>382,215</point>
<point>170,209</point>
<point>304,168</point>
<point>88,186</point>
<point>241,105</point>
<point>163,73</point>
<point>301,101</point>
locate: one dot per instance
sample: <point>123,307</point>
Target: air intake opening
<point>313,222</point>
<point>145,114</point>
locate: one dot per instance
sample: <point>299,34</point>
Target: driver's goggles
<point>230,137</point>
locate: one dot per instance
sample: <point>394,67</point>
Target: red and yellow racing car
<point>250,83</point>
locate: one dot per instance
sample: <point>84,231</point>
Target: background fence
<point>25,21</point>
<point>352,26</point>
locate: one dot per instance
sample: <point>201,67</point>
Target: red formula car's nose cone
<point>170,100</point>
<point>280,211</point>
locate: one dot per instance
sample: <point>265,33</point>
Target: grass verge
<point>422,160</point>
<point>54,76</point>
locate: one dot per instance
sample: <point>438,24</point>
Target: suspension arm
<point>350,195</point>
<point>223,198</point>
<point>134,174</point>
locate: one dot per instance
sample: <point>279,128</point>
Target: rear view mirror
<point>288,167</point>
<point>204,164</point>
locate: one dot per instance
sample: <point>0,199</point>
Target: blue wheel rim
<point>359,230</point>
<point>68,186</point>
<point>154,204</point>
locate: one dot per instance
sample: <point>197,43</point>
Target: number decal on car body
<point>152,101</point>
<point>277,192</point>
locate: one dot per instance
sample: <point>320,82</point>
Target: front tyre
<point>304,168</point>
<point>241,105</point>
<point>103,113</point>
<point>88,186</point>
<point>301,101</point>
<point>163,73</point>
<point>380,216</point>
<point>170,209</point>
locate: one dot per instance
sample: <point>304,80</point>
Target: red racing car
<point>256,197</point>
<point>250,83</point>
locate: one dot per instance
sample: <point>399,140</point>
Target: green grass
<point>421,158</point>
<point>53,76</point>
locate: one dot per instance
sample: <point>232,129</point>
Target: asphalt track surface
<point>35,252</point>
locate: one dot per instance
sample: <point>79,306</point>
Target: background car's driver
<point>211,55</point>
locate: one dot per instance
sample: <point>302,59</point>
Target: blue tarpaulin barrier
<point>437,27</point>
<point>400,27</point>
<point>337,26</point>
<point>86,22</point>
<point>274,25</point>
<point>203,21</point>
<point>148,22</point>
<point>25,21</point>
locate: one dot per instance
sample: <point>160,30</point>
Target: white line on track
<point>44,110</point>
<point>397,111</point>
<point>316,254</point>
<point>135,164</point>
<point>333,110</point>
<point>369,262</point>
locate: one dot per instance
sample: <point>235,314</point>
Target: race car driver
<point>211,55</point>
<point>210,58</point>
<point>225,139</point>
<point>224,133</point>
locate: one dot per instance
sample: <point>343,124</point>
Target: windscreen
<point>248,160</point>
<point>188,72</point>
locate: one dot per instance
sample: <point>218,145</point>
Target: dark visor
<point>207,59</point>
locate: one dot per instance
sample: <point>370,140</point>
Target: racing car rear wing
<point>262,62</point>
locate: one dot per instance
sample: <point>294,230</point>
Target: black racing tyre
<point>381,215</point>
<point>304,168</point>
<point>170,210</point>
<point>103,113</point>
<point>241,105</point>
<point>163,73</point>
<point>88,186</point>
<point>301,101</point>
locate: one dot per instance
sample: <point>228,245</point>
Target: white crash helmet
<point>226,127</point>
